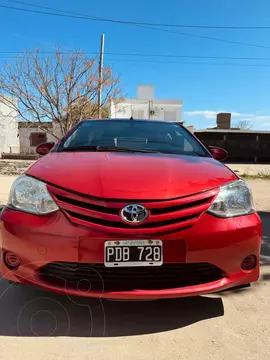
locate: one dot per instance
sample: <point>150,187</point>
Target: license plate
<point>133,253</point>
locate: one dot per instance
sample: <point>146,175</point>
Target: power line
<point>175,62</point>
<point>94,18</point>
<point>44,12</point>
<point>266,27</point>
<point>188,63</point>
<point>145,55</point>
<point>190,56</point>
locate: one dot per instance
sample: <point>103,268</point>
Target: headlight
<point>234,199</point>
<point>32,196</point>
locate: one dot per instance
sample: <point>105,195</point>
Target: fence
<point>20,150</point>
<point>241,146</point>
<point>19,153</point>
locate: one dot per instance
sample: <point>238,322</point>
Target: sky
<point>173,59</point>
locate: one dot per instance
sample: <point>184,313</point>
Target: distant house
<point>31,135</point>
<point>145,106</point>
<point>8,128</point>
<point>242,145</point>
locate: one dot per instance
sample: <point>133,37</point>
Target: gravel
<point>14,167</point>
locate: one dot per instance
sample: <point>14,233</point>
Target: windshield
<point>114,135</point>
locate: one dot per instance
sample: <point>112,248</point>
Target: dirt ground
<point>251,169</point>
<point>235,325</point>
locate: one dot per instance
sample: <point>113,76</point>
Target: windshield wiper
<point>80,148</point>
<point>123,149</point>
<point>106,148</point>
<point>199,154</point>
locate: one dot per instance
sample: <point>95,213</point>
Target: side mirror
<point>44,148</point>
<point>218,153</point>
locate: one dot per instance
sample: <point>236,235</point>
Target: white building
<point>145,106</point>
<point>9,137</point>
<point>30,136</point>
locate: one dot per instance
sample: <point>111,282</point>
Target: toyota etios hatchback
<point>130,209</point>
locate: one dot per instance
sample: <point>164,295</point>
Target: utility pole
<point>150,109</point>
<point>101,55</point>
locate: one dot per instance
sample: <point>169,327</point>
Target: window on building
<point>37,138</point>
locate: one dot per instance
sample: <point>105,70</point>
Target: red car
<point>130,209</point>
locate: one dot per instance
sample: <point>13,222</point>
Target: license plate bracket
<point>128,253</point>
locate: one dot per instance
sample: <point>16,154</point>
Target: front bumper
<point>38,241</point>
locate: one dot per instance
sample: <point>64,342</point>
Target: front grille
<point>85,205</point>
<point>164,215</point>
<point>97,277</point>
<point>127,226</point>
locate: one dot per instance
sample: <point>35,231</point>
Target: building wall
<point>25,140</point>
<point>145,92</point>
<point>145,106</point>
<point>8,128</point>
<point>167,109</point>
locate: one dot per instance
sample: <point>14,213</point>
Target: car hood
<point>131,175</point>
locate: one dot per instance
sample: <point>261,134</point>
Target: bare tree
<point>243,125</point>
<point>62,89</point>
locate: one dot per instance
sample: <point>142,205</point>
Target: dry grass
<point>263,175</point>
<point>14,167</point>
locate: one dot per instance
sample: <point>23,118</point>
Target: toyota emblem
<point>134,213</point>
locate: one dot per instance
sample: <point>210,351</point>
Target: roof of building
<point>234,131</point>
<point>146,101</point>
<point>137,120</point>
<point>26,124</point>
